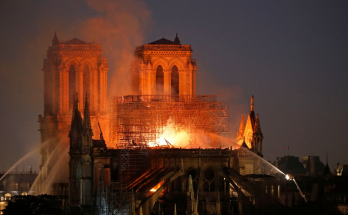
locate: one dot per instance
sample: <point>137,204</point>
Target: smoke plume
<point>120,27</point>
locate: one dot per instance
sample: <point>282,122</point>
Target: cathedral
<point>129,160</point>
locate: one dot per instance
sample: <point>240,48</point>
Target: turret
<point>76,126</point>
<point>87,128</point>
<point>252,104</point>
<point>240,133</point>
<point>257,136</point>
<point>55,40</point>
<point>176,40</point>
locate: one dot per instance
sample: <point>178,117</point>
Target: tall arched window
<point>72,85</point>
<point>159,80</point>
<point>86,82</point>
<point>175,81</point>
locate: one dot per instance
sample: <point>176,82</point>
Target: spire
<point>86,118</point>
<point>252,103</point>
<point>327,170</point>
<point>257,125</point>
<point>76,121</point>
<point>176,40</point>
<point>55,40</point>
<point>76,103</point>
<point>240,133</point>
<point>101,133</point>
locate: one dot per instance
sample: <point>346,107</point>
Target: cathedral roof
<point>165,41</point>
<point>327,170</point>
<point>55,40</point>
<point>75,41</point>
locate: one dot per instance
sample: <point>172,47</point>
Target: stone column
<point>93,98</point>
<point>194,82</point>
<point>141,82</point>
<point>79,85</point>
<point>55,90</point>
<point>153,82</point>
<point>190,92</point>
<point>63,91</point>
<point>182,74</point>
<point>103,90</point>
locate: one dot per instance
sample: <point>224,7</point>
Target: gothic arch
<point>177,62</point>
<point>71,62</point>
<point>86,62</point>
<point>160,61</point>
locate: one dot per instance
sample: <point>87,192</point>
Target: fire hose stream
<point>290,177</point>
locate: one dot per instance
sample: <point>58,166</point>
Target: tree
<point>34,205</point>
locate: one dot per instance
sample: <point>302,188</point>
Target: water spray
<point>291,178</point>
<point>37,148</point>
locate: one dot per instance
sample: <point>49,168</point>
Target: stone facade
<point>71,67</point>
<point>251,132</point>
<point>164,67</point>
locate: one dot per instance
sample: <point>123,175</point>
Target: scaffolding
<point>138,120</point>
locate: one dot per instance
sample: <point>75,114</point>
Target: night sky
<point>291,55</point>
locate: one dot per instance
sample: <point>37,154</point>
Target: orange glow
<point>177,136</point>
<point>155,188</point>
<point>172,136</point>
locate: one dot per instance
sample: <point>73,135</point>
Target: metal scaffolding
<point>138,120</point>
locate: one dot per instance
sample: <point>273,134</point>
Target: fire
<point>172,136</point>
<point>155,188</point>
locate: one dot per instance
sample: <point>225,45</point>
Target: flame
<point>155,188</point>
<point>176,136</point>
<point>172,136</point>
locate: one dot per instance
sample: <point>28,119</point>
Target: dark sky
<point>291,55</point>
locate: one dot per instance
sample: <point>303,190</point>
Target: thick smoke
<point>120,27</point>
<point>27,30</point>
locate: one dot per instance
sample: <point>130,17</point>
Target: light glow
<point>172,136</point>
<point>289,177</point>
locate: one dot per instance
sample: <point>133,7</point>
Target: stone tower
<point>251,131</point>
<point>71,67</point>
<point>80,164</point>
<point>164,67</point>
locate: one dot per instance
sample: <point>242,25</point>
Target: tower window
<point>159,80</point>
<point>175,81</point>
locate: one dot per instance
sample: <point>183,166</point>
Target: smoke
<point>120,27</point>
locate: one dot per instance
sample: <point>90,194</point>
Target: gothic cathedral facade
<point>164,67</point>
<point>71,68</point>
